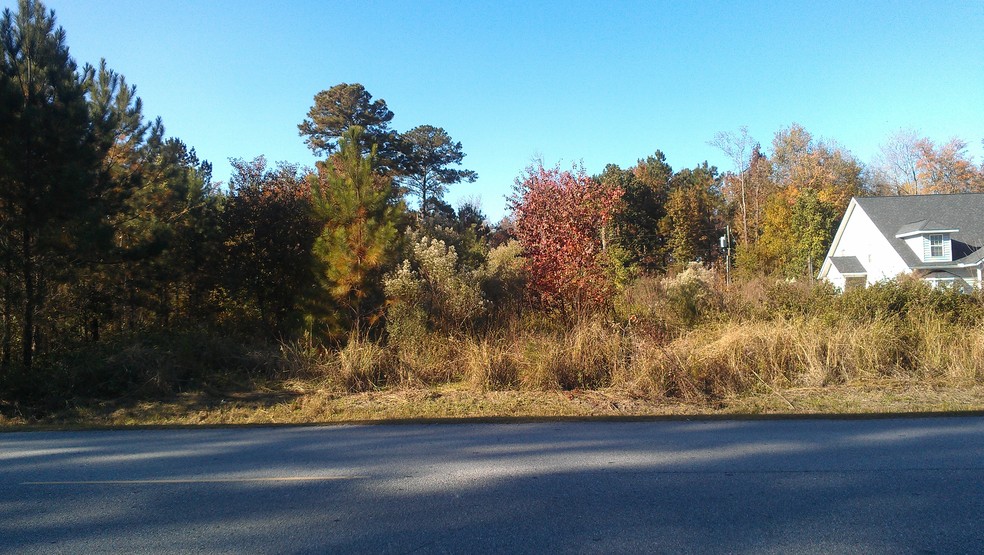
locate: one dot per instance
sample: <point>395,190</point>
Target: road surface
<point>754,486</point>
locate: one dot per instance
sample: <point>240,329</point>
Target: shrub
<point>503,281</point>
<point>428,292</point>
<point>150,365</point>
<point>691,295</point>
<point>558,218</point>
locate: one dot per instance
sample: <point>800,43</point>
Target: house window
<point>936,246</point>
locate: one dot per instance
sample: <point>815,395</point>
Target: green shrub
<point>503,282</point>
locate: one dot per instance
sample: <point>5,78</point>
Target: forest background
<point>128,273</point>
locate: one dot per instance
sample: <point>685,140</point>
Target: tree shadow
<point>720,486</point>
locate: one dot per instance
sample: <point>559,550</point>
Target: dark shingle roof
<point>922,226</point>
<point>848,265</point>
<point>964,212</point>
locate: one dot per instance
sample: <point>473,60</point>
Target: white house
<point>938,238</point>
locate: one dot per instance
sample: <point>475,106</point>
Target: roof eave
<point>925,232</point>
<point>825,267</point>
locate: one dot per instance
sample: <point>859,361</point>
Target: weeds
<point>686,339</point>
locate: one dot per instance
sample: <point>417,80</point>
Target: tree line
<point>111,228</point>
<point>108,226</point>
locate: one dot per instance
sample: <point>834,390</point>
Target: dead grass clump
<point>972,367</point>
<point>724,360</point>
<point>304,361</point>
<point>362,365</point>
<point>586,356</point>
<point>715,361</point>
<point>658,371</point>
<point>489,364</point>
<point>839,352</point>
<point>947,354</point>
<point>427,359</point>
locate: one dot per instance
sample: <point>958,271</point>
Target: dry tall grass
<point>660,344</point>
<point>808,339</point>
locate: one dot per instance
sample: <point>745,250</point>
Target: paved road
<point>801,486</point>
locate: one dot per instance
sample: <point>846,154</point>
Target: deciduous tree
<point>559,216</point>
<point>269,233</point>
<point>948,168</point>
<point>740,148</point>
<point>812,223</point>
<point>895,169</point>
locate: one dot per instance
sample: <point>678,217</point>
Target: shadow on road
<point>764,486</point>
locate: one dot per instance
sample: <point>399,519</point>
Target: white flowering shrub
<point>428,292</point>
<point>691,294</point>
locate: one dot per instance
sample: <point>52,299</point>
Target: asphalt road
<point>785,486</point>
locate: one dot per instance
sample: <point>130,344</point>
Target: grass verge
<point>294,404</point>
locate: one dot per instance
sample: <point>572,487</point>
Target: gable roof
<point>847,265</point>
<point>961,214</point>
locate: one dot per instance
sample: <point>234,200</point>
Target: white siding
<point>918,246</point>
<point>927,255</point>
<point>860,238</point>
<point>834,277</point>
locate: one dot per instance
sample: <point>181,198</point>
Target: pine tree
<point>48,150</point>
<point>636,224</point>
<point>362,211</point>
<point>426,156</point>
<point>343,106</point>
<point>694,217</point>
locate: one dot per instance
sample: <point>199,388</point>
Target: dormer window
<point>929,240</point>
<point>936,245</point>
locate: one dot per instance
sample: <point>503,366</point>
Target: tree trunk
<point>423,199</point>
<point>8,275</point>
<point>744,211</point>
<point>30,302</point>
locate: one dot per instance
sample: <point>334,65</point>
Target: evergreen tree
<point>181,222</point>
<point>361,212</point>
<point>120,134</point>
<point>426,156</point>
<point>49,154</point>
<point>342,107</point>
<point>636,224</point>
<point>694,215</point>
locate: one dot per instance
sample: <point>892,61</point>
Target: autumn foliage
<point>559,220</point>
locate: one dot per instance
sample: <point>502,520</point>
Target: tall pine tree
<point>49,155</point>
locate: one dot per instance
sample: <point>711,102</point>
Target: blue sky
<point>604,82</point>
